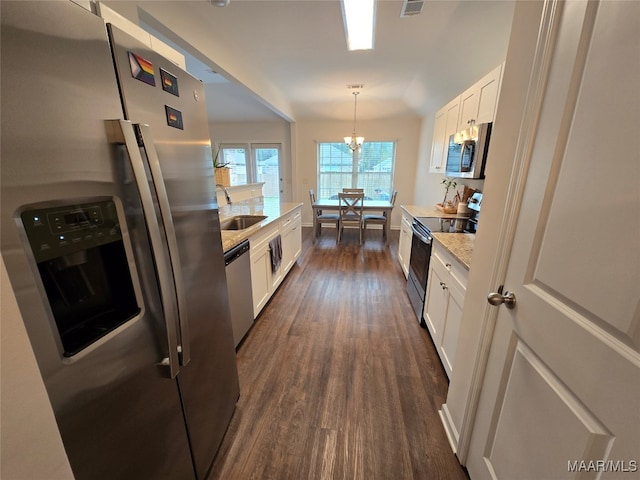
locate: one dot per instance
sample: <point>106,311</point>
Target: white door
<point>266,163</point>
<point>561,393</point>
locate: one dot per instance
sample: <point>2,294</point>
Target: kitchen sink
<point>240,222</point>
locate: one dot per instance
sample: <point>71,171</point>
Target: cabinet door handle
<point>448,265</point>
<point>443,285</point>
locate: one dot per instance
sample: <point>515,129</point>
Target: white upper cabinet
<point>437,147</point>
<point>446,124</point>
<point>468,108</point>
<point>478,103</point>
<point>453,112</point>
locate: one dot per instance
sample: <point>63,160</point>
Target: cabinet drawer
<point>455,268</point>
<point>291,217</point>
<point>263,236</point>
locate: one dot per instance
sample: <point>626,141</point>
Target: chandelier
<point>353,142</point>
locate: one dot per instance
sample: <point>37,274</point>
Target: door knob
<point>509,299</point>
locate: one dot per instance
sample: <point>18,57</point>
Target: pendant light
<point>353,142</point>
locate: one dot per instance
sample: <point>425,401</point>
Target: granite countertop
<point>422,211</point>
<point>272,209</point>
<point>460,245</point>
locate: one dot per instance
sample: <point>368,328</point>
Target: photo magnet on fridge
<point>141,69</point>
<point>174,117</point>
<point>169,82</point>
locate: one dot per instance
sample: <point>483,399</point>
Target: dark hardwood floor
<point>337,379</point>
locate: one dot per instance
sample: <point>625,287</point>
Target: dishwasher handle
<point>236,252</point>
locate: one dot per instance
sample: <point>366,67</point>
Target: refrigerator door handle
<point>128,137</point>
<point>167,219</point>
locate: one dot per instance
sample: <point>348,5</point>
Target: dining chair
<point>379,219</point>
<point>350,210</point>
<point>319,218</point>
<point>353,190</point>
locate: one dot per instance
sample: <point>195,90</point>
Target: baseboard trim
<point>449,428</point>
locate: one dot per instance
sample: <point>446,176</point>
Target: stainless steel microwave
<point>467,152</point>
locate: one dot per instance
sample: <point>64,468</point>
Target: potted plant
<point>221,170</point>
<point>448,206</point>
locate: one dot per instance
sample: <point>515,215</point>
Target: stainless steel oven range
<point>419,267</point>
<point>421,243</point>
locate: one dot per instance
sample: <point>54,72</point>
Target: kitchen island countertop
<point>271,208</point>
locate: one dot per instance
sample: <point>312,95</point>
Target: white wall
<point>428,190</point>
<point>415,185</point>
<point>299,157</point>
<point>259,132</point>
<point>187,29</point>
<point>405,131</point>
<point>509,114</point>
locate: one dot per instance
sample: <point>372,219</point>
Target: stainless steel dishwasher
<point>238,269</point>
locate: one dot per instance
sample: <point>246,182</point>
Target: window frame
<point>250,154</point>
<point>356,158</point>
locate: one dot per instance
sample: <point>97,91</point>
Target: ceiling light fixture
<point>353,142</point>
<point>359,18</point>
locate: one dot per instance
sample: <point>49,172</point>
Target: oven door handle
<point>425,239</point>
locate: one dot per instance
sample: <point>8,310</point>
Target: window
<point>235,158</point>
<point>370,168</point>
<point>253,163</point>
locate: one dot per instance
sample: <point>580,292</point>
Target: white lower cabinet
<point>444,300</point>
<point>404,246</point>
<point>265,281</point>
<point>291,231</point>
<point>261,275</point>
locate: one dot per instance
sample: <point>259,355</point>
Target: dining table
<point>368,205</point>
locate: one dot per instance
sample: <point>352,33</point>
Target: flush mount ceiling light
<point>353,142</point>
<point>359,18</point>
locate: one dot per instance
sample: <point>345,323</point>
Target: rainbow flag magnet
<point>141,69</point>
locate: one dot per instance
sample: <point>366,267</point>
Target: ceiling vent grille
<point>411,7</point>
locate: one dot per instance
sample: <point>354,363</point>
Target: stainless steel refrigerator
<point>111,238</point>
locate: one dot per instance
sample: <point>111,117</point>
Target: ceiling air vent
<point>411,7</point>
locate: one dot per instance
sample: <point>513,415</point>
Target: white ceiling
<point>299,48</point>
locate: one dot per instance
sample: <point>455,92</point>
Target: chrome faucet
<point>226,193</point>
